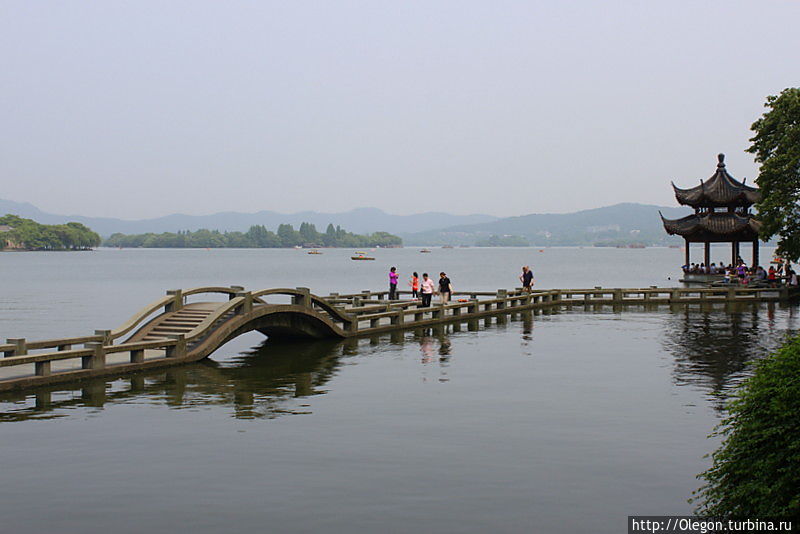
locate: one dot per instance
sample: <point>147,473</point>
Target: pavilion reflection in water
<point>713,347</point>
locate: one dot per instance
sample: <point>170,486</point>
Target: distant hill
<point>361,220</point>
<point>620,223</point>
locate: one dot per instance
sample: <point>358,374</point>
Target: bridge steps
<point>182,321</point>
<point>188,332</point>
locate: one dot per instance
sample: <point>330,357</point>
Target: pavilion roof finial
<point>721,159</point>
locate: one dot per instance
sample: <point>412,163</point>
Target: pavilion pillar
<point>686,253</point>
<point>707,253</point>
<point>755,253</point>
<point>734,253</point>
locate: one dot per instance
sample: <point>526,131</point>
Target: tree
<point>289,236</point>
<point>776,146</point>
<point>756,470</point>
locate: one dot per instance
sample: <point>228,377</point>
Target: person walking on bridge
<point>393,276</point>
<point>414,283</point>
<point>526,278</point>
<point>445,288</point>
<point>427,290</point>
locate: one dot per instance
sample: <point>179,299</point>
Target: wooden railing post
<point>502,295</point>
<point>247,303</point>
<point>137,356</point>
<point>473,305</point>
<point>398,318</point>
<point>42,368</point>
<point>351,327</point>
<point>304,298</point>
<point>105,334</point>
<point>20,349</point>
<point>98,358</point>
<point>176,303</point>
<point>178,350</point>
<point>236,289</point>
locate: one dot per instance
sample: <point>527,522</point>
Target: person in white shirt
<point>427,286</point>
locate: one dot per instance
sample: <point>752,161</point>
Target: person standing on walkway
<point>393,283</point>
<point>427,290</point>
<point>527,279</point>
<point>445,288</point>
<point>414,283</point>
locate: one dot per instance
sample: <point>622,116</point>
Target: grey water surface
<point>559,422</point>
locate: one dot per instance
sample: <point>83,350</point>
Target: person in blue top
<point>526,278</point>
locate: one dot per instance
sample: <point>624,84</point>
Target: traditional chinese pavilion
<point>721,214</point>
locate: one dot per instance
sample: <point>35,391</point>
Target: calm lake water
<point>563,422</point>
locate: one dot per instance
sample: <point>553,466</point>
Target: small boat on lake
<point>424,251</point>
<point>361,257</point>
<point>314,252</point>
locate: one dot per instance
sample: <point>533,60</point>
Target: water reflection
<point>707,347</point>
<point>712,347</point>
<point>435,346</point>
<point>265,382</point>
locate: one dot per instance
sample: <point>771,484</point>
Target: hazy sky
<point>139,109</point>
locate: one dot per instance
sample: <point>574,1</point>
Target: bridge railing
<point>302,296</point>
<point>173,301</point>
<point>370,315</point>
<point>94,356</point>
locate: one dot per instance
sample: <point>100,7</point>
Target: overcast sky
<point>139,109</point>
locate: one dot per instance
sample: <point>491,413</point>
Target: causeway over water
<point>185,326</point>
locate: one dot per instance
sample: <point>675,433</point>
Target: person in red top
<point>771,276</point>
<point>414,283</point>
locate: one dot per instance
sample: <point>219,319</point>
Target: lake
<point>551,422</point>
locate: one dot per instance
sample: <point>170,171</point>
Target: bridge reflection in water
<point>267,381</point>
<point>710,347</point>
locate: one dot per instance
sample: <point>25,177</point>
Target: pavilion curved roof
<point>721,190</point>
<point>714,226</point>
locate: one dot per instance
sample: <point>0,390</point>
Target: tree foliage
<point>503,241</point>
<point>756,471</point>
<point>256,237</point>
<point>776,146</point>
<point>30,235</point>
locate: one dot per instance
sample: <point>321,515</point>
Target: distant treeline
<point>503,241</point>
<point>27,234</point>
<point>256,237</point>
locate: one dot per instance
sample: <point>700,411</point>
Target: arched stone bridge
<point>173,330</point>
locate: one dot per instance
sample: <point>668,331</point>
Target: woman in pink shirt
<point>393,276</point>
<point>427,289</point>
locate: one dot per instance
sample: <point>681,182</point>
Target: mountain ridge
<point>621,223</point>
<point>358,220</point>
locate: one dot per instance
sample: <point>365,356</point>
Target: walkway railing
<point>355,314</point>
